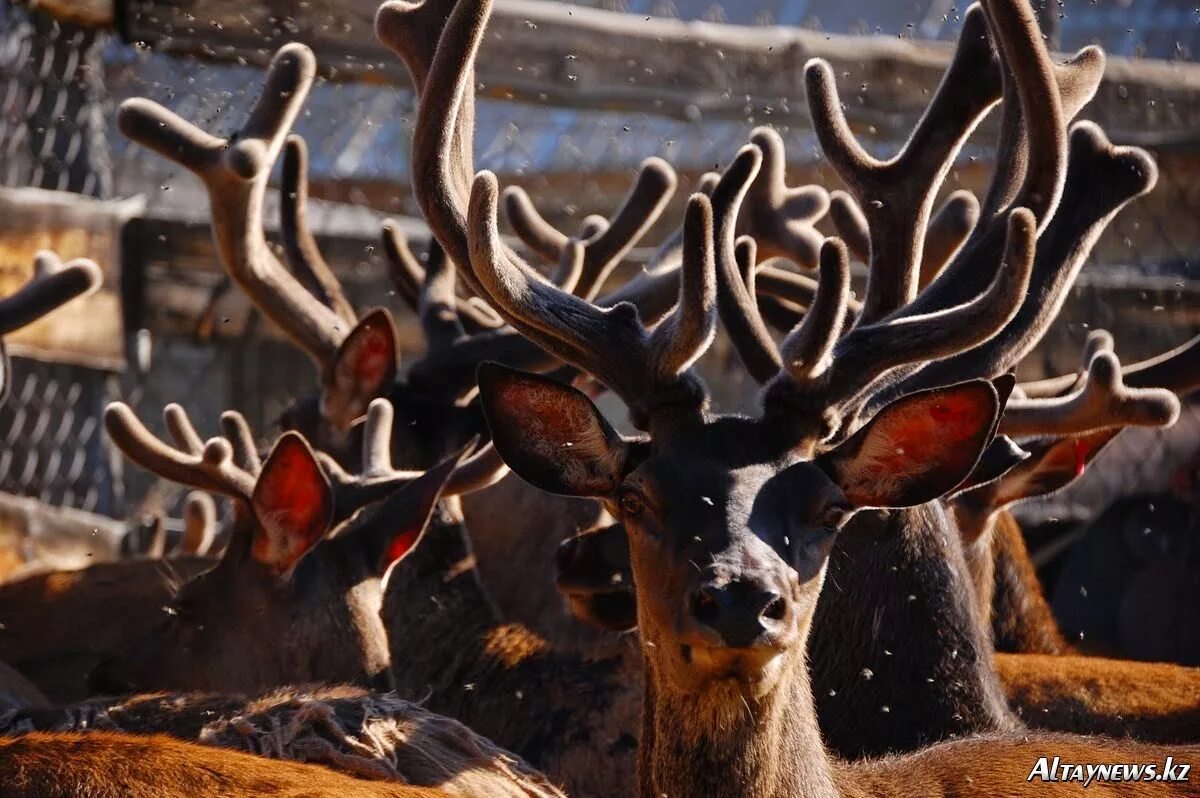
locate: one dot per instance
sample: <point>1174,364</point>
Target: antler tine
<point>211,470</point>
<point>52,285</point>
<point>377,439</point>
<point>235,172</point>
<point>739,309</point>
<point>866,354</point>
<point>897,195</point>
<point>299,244</point>
<point>1097,341</point>
<point>1103,401</point>
<point>778,217</point>
<point>405,271</point>
<point>1102,179</point>
<point>530,226</point>
<point>441,153</point>
<point>570,266</point>
<point>1027,64</point>
<point>237,431</point>
<point>180,427</point>
<point>807,349</point>
<point>200,523</point>
<point>851,224</point>
<point>605,248</point>
<point>407,276</point>
<point>948,231</point>
<point>609,343</point>
<point>437,303</point>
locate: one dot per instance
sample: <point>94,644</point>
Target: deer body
<point>367,735</point>
<point>62,765</point>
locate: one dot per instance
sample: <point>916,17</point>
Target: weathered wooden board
<point>563,55</point>
<point>85,331</point>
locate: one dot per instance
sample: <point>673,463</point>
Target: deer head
<point>296,572</point>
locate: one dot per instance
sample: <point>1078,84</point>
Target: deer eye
<point>632,504</point>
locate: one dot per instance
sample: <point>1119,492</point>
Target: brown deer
<point>103,764</point>
<point>57,624</point>
<point>363,734</point>
<point>284,570</point>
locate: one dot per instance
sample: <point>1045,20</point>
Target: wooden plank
<point>568,56</point>
<point>86,331</point>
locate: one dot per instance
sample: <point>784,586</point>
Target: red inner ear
<point>931,431</point>
<point>293,504</point>
<point>373,358</point>
<point>401,545</point>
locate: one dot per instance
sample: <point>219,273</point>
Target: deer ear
<point>397,524</point>
<point>293,502</point>
<point>916,449</point>
<point>1054,464</point>
<point>550,434</point>
<point>361,369</point>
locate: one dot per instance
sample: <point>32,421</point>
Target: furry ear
<point>396,525</point>
<point>361,369</point>
<point>550,434</point>
<point>1001,456</point>
<point>293,502</point>
<point>918,448</point>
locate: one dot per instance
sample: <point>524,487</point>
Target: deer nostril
<point>705,608</point>
<point>775,610</point>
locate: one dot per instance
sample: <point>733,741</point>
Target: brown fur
<point>573,715</point>
<point>345,728</point>
<point>56,626</point>
<point>50,765</point>
<point>1148,701</point>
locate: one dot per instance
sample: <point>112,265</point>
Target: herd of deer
<point>829,599</point>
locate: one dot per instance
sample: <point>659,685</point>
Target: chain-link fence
<point>60,83</point>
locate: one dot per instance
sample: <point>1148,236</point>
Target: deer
<point>355,355</point>
<point>57,765</point>
<point>360,733</point>
<point>56,623</point>
<point>301,560</point>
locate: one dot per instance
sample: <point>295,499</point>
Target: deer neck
<point>720,744</point>
<point>434,595</point>
<point>894,578</point>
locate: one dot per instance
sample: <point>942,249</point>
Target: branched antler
<point>235,171</point>
<point>648,369</point>
<point>408,275</point>
<point>606,244</point>
<point>897,195</point>
<point>1102,401</point>
<point>379,478</point>
<point>207,466</point>
<point>299,244</point>
<point>780,219</point>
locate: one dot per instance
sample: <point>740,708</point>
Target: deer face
<point>286,604</point>
<point>729,522</point>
